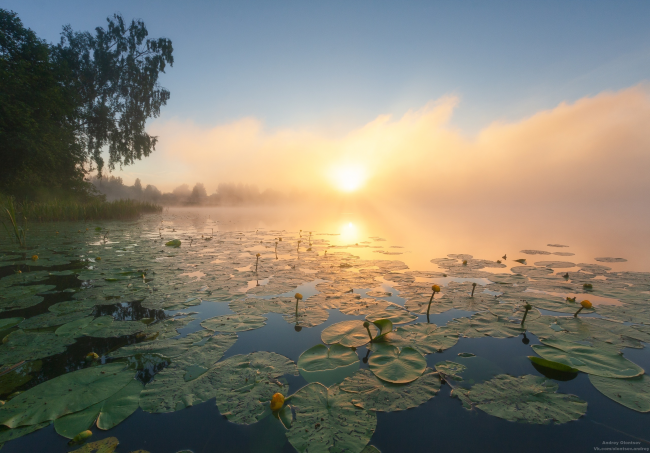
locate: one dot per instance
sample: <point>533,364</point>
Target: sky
<point>308,95</point>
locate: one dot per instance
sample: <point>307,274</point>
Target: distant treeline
<point>225,195</point>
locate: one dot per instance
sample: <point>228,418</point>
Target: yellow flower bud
<point>435,288</point>
<point>586,304</point>
<point>34,257</point>
<point>98,258</point>
<point>92,356</point>
<point>277,402</point>
<point>298,296</point>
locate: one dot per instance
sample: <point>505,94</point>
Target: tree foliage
<point>64,106</point>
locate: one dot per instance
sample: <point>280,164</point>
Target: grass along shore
<point>57,210</point>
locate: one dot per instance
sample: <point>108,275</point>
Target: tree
<point>38,144</point>
<point>114,75</point>
<point>62,106</point>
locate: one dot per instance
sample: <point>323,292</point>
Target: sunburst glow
<point>349,178</point>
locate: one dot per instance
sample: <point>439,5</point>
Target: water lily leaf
<point>493,326</point>
<point>50,319</point>
<point>450,370</point>
<point>370,449</point>
<point>609,259</point>
<point>107,445</point>
<point>65,394</point>
<point>308,316</point>
<point>120,405</point>
<point>387,362</point>
<point>587,358</point>
<point>173,243</point>
<point>347,333</point>
<point>395,313</point>
<point>320,358</point>
<point>373,394</point>
<point>7,434</point>
<point>234,323</point>
<point>205,353</point>
<point>18,376</point>
<point>425,338</point>
<point>169,347</point>
<point>466,354</point>
<point>555,264</point>
<point>553,365</point>
<point>72,424</point>
<point>8,323</point>
<point>331,377</point>
<point>633,392</point>
<point>21,345</point>
<point>241,383</point>
<point>527,399</point>
<point>327,421</point>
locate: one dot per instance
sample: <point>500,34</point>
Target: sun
<point>349,178</point>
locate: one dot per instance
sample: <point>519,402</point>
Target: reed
<point>59,210</point>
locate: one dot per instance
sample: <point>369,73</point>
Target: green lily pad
<point>347,333</point>
<point>587,358</point>
<point>466,354</point>
<point>8,323</point>
<point>72,424</point>
<point>392,365</point>
<point>493,326</point>
<point>50,319</point>
<point>633,393</point>
<point>526,399</point>
<point>18,376</point>
<point>240,384</point>
<point>553,365</point>
<point>120,405</point>
<point>450,370</point>
<point>21,345</point>
<point>327,421</point>
<point>373,394</point>
<point>65,394</point>
<point>234,323</point>
<point>173,243</point>
<point>320,358</point>
<point>7,434</point>
<point>107,445</point>
<point>424,337</point>
<point>395,313</point>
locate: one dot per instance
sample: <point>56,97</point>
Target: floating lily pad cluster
<point>129,289</point>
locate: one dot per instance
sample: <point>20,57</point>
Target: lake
<point>192,341</point>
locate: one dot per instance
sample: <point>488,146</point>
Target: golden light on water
<point>349,178</point>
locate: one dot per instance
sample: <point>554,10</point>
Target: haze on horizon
<point>419,102</point>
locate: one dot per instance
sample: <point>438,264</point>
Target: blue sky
<point>340,64</point>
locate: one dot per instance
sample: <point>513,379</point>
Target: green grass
<point>57,210</point>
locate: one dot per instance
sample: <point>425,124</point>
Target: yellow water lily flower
<point>298,296</point>
<point>435,288</point>
<point>97,258</point>
<point>277,402</point>
<point>92,356</point>
<point>584,304</point>
<point>34,257</point>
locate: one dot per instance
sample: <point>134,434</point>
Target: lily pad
<point>65,394</point>
<point>390,364</point>
<point>320,358</point>
<point>425,338</point>
<point>107,445</point>
<point>21,345</point>
<point>395,313</point>
<point>327,421</point>
<point>234,323</point>
<point>527,399</point>
<point>450,370</point>
<point>347,333</point>
<point>173,243</point>
<point>587,358</point>
<point>373,394</point>
<point>552,365</point>
<point>633,392</point>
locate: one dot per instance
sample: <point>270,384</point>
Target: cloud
<point>593,149</point>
